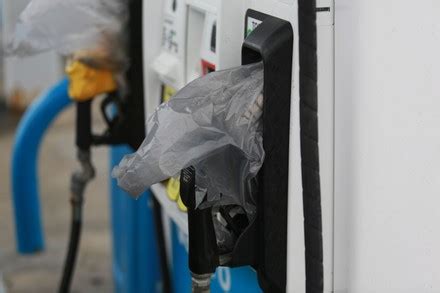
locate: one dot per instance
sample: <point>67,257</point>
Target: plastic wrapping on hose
<point>214,124</point>
<point>92,29</point>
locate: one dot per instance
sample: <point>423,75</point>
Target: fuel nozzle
<point>213,231</point>
<point>78,184</point>
<point>203,252</point>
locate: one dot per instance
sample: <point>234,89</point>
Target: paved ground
<point>41,272</point>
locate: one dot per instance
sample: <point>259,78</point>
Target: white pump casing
<point>230,15</point>
<point>189,21</point>
<point>387,146</point>
<point>377,136</point>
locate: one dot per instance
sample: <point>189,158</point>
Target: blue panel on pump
<point>135,253</point>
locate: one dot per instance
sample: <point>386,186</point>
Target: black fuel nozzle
<point>84,141</point>
<point>203,251</point>
<point>83,129</point>
<point>124,118</point>
<point>113,113</point>
<point>78,184</point>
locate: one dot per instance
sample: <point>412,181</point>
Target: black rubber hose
<point>160,236</point>
<point>308,76</point>
<point>78,184</point>
<point>74,238</point>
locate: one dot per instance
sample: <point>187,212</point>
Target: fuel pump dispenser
<point>203,49</point>
<point>263,242</point>
<point>329,251</point>
<point>198,37</point>
<point>289,216</point>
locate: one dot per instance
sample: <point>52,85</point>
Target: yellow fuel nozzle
<point>86,82</point>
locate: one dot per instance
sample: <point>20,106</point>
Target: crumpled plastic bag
<point>92,29</point>
<point>214,124</point>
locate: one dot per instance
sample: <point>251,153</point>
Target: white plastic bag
<point>214,124</point>
<point>69,26</point>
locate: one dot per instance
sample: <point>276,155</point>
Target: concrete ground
<point>41,272</point>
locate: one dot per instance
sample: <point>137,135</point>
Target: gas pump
<point>200,51</point>
<point>261,243</point>
<point>199,37</point>
<point>291,219</point>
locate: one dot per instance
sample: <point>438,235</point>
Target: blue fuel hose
<point>25,192</point>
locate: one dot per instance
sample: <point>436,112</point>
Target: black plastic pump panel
<point>272,42</point>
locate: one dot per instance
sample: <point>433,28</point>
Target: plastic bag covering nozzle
<point>92,29</point>
<point>214,124</point>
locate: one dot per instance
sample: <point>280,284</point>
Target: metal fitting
<point>201,283</point>
<point>80,179</point>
